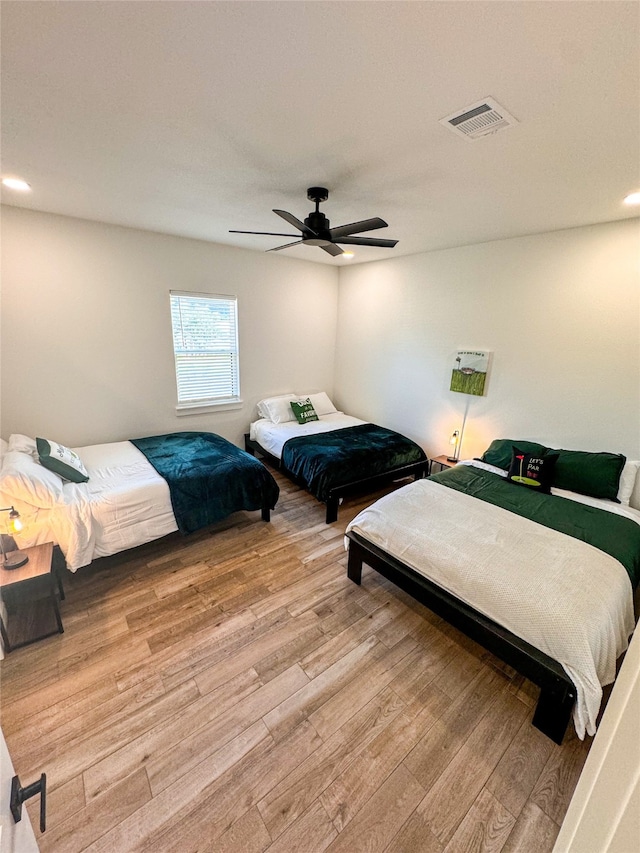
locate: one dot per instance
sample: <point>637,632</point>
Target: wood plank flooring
<point>234,691</point>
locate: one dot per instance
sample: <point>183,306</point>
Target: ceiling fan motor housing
<point>319,223</point>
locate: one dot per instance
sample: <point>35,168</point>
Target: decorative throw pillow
<point>65,462</point>
<point>534,470</point>
<point>304,411</point>
<point>500,451</point>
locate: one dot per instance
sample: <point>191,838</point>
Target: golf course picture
<point>470,371</point>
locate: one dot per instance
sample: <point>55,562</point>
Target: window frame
<point>197,405</point>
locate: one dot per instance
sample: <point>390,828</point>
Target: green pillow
<point>63,461</point>
<point>593,474</point>
<point>500,451</point>
<point>304,411</point>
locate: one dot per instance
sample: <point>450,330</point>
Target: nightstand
<point>442,461</point>
<point>29,600</point>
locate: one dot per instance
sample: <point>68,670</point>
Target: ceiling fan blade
<point>292,220</point>
<point>367,241</point>
<point>333,250</point>
<point>356,227</point>
<point>286,246</point>
<point>268,233</point>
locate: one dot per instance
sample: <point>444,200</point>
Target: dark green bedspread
<point>208,477</point>
<point>325,460</point>
<point>611,533</point>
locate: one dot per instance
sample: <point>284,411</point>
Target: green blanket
<point>611,533</point>
<point>326,460</point>
<point>208,477</point>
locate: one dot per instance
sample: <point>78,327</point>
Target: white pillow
<point>321,403</point>
<point>4,446</point>
<point>627,481</point>
<point>23,443</point>
<point>277,409</point>
<point>24,479</point>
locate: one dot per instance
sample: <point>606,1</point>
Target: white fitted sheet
<point>272,436</point>
<point>563,596</point>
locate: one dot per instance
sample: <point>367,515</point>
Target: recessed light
<point>347,255</point>
<point>634,198</point>
<point>16,184</point>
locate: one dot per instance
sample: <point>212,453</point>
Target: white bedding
<point>518,573</point>
<point>272,436</point>
<point>125,503</point>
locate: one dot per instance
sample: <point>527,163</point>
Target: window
<point>205,345</point>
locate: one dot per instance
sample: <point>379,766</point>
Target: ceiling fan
<point>316,231</point>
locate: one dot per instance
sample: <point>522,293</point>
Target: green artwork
<point>470,371</point>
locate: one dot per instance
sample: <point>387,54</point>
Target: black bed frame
<point>557,691</point>
<point>417,470</point>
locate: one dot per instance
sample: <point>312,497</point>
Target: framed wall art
<point>469,372</point>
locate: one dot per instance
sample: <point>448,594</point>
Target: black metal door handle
<point>20,794</point>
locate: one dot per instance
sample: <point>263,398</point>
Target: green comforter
<point>323,461</point>
<point>611,533</point>
<point>208,477</point>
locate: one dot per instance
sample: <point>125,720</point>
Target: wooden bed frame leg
<point>553,711</point>
<point>354,565</point>
<point>332,510</point>
<point>266,513</point>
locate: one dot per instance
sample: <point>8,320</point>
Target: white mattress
<point>272,436</point>
<point>125,503</point>
<point>563,596</point>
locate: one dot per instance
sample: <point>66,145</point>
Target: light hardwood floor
<point>234,691</point>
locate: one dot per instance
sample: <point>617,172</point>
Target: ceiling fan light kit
<point>316,230</point>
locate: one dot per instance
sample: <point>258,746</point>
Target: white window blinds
<point>205,344</point>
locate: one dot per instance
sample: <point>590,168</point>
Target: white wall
<point>86,350</point>
<point>560,311</point>
<point>86,333</point>
<point>604,813</point>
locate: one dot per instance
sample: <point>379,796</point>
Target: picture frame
<point>469,371</point>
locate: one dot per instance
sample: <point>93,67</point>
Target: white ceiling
<point>192,118</point>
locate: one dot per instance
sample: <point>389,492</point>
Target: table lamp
<point>455,441</point>
<point>12,559</point>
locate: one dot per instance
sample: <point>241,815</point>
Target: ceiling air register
<point>480,119</point>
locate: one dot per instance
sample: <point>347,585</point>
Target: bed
<point>332,454</point>
<point>543,581</point>
<point>124,494</point>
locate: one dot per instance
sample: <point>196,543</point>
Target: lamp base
<point>451,459</point>
<point>14,560</point>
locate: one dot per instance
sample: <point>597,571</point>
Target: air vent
<point>479,119</point>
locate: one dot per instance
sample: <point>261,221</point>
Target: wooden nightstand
<point>442,461</point>
<point>29,600</point>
